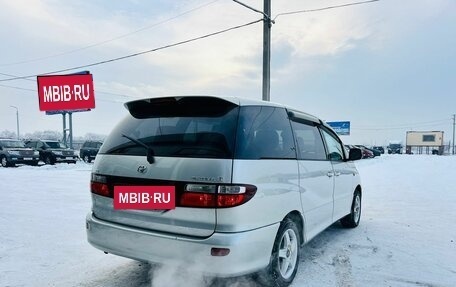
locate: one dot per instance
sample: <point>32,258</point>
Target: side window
<point>309,142</point>
<point>335,149</point>
<point>264,133</point>
<point>31,144</point>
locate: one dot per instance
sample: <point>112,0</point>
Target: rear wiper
<point>150,151</point>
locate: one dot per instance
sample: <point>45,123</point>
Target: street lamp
<point>17,120</point>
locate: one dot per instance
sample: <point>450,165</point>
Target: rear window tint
<point>193,127</point>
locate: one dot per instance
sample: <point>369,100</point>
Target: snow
<point>407,235</point>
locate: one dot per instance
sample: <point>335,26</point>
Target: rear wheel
<point>352,219</point>
<point>285,257</point>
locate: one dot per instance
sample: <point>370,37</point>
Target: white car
<point>231,186</point>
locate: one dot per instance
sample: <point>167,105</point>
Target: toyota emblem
<point>142,169</point>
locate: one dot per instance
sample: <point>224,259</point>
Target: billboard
<point>66,92</point>
<point>341,128</point>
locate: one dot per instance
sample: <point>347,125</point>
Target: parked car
<point>379,148</point>
<point>374,151</point>
<point>14,152</point>
<point>52,151</point>
<point>246,194</point>
<point>395,148</point>
<point>367,153</point>
<point>89,150</point>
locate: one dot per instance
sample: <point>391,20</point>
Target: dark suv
<point>52,151</point>
<point>89,150</point>
<point>14,151</point>
<point>394,148</point>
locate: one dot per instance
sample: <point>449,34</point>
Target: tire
<point>352,219</point>
<point>284,261</point>
<point>34,163</point>
<point>4,161</point>
<point>49,160</point>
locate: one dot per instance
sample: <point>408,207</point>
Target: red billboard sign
<point>66,92</point>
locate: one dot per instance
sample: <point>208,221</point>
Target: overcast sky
<point>387,67</point>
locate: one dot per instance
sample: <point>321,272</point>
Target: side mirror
<point>355,154</point>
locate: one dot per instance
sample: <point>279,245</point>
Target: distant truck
<point>395,148</point>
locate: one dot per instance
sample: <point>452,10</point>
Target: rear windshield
<point>200,127</point>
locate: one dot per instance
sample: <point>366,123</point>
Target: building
<point>424,142</point>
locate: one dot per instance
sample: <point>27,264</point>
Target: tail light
<point>99,185</point>
<point>187,194</point>
<point>220,196</point>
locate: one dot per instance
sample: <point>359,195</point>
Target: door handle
<point>330,174</point>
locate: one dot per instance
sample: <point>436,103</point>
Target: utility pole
<point>454,124</point>
<point>267,24</point>
<point>17,120</point>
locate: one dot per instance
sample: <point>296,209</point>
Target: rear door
<point>175,172</point>
<point>344,173</point>
<point>316,177</point>
<point>193,142</point>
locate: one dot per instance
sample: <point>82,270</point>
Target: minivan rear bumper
<point>250,251</point>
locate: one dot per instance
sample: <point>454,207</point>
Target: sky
<point>387,67</point>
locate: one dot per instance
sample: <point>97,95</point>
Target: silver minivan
<point>248,182</point>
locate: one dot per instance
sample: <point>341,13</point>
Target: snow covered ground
<point>407,235</point>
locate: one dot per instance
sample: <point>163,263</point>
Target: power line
<point>171,45</point>
<point>324,8</point>
<point>110,40</point>
<point>96,91</point>
<point>18,88</point>
<point>136,54</point>
<point>25,89</point>
<point>409,124</point>
<point>406,126</point>
<point>10,75</point>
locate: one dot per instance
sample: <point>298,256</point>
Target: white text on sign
<point>66,93</point>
